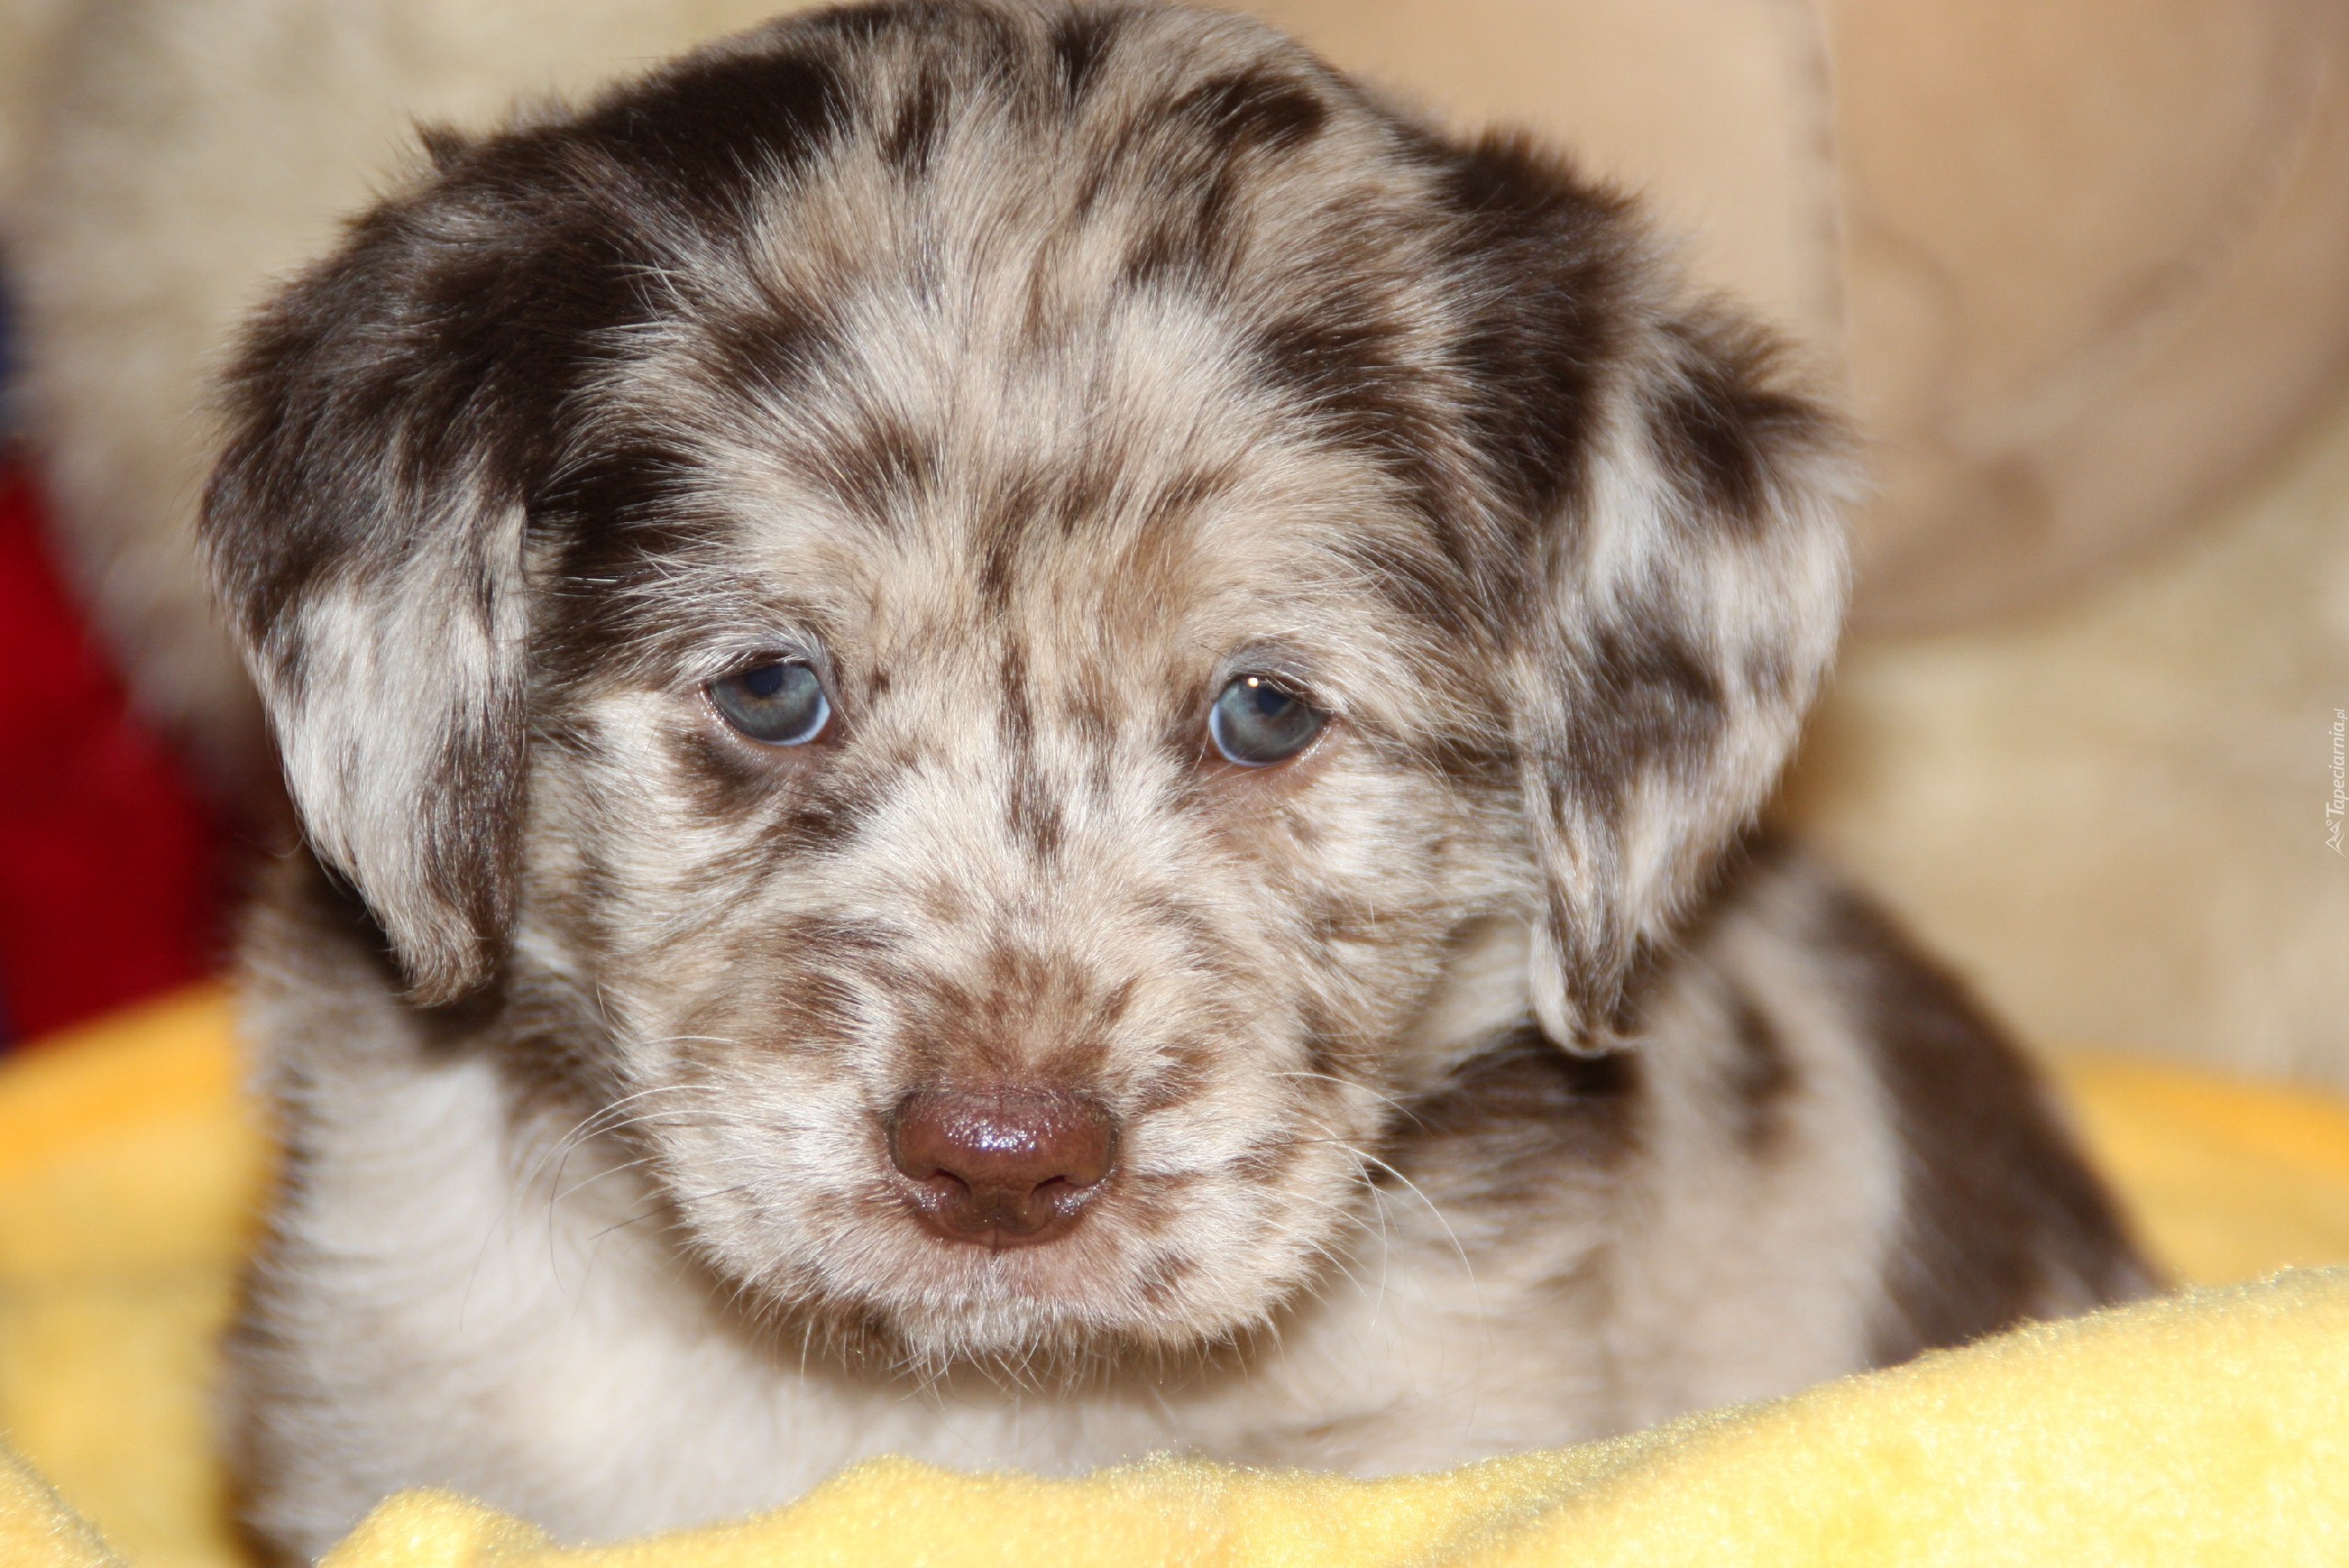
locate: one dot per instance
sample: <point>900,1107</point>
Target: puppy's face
<point>1041,734</point>
<point>1015,621</point>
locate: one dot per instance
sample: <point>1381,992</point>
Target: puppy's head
<point>1034,613</point>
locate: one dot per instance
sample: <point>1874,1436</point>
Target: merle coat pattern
<point>1029,372</point>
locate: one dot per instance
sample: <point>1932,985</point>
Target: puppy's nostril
<point>1005,1167</point>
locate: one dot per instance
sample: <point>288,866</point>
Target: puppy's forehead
<point>1139,473</point>
<point>1104,301</point>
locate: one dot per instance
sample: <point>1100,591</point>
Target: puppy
<point>1031,736</point>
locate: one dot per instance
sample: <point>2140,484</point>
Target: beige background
<point>2080,262</point>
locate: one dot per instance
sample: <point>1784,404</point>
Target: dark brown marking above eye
<point>1415,578</point>
<point>624,518</point>
<point>882,472</point>
<point>1350,374</point>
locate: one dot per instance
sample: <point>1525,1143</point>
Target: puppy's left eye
<point>1256,722</point>
<point>782,703</point>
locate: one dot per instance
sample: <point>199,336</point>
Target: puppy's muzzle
<point>1001,1167</point>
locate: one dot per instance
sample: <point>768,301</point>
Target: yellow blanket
<point>2209,1429</point>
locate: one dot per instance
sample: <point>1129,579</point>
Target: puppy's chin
<point>1058,1331</point>
<point>1034,1340</point>
<point>1072,1308</point>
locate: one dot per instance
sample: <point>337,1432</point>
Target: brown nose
<point>1001,1167</point>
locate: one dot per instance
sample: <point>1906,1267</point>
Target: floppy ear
<point>364,531</point>
<point>1689,597</point>
<point>1683,576</point>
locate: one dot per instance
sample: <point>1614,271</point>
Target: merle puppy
<point>1030,736</point>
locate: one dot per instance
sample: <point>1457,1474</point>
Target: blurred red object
<point>109,884</point>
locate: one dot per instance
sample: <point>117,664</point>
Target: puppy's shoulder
<point>2000,1217</point>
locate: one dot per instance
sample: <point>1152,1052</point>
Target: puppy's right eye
<point>1257,721</point>
<point>782,703</point>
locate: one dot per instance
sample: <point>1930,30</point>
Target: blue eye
<point>781,704</point>
<point>1256,722</point>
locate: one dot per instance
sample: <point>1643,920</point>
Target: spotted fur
<point>1031,369</point>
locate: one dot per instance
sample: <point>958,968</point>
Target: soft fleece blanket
<point>2211,1428</point>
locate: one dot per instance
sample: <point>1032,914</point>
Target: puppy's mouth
<point>1000,1167</point>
